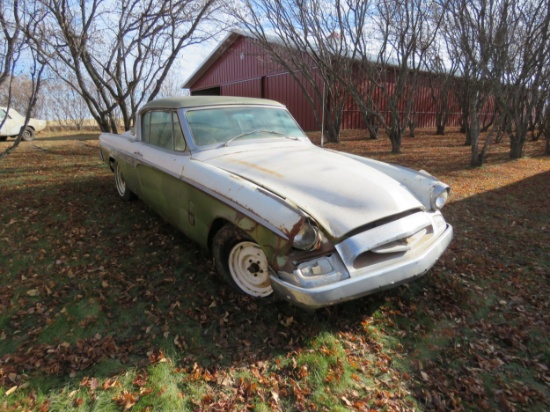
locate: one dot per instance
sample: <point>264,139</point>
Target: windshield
<point>224,125</point>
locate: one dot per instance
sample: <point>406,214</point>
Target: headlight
<point>439,197</point>
<point>307,237</point>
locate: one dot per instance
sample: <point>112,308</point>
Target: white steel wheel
<point>121,187</point>
<point>241,262</point>
<point>249,269</point>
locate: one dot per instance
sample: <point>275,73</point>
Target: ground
<point>103,306</point>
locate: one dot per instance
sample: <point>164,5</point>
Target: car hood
<point>341,194</point>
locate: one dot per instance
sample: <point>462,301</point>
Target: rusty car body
<point>279,214</point>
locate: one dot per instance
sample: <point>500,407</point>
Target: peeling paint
<point>257,167</point>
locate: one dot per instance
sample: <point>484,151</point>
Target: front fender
<point>420,183</point>
<point>248,199</point>
<point>218,195</point>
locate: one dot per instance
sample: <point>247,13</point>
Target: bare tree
<point>116,55</point>
<point>544,123</point>
<point>520,65</point>
<point>64,105</point>
<point>11,45</point>
<point>503,50</point>
<point>390,40</point>
<point>10,24</point>
<point>172,86</point>
<point>335,40</point>
<point>304,37</point>
<point>15,25</point>
<point>17,91</point>
<point>470,29</point>
<point>441,81</point>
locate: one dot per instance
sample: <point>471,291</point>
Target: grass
<point>104,307</point>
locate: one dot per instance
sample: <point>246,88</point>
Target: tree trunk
<point>516,149</point>
<point>333,134</point>
<point>476,160</point>
<point>412,128</point>
<point>473,135</point>
<point>467,129</point>
<point>517,141</point>
<point>469,139</point>
<point>439,125</point>
<point>395,138</point>
<point>373,132</point>
<point>491,121</point>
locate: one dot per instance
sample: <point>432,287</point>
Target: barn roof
<point>231,38</point>
<point>223,46</point>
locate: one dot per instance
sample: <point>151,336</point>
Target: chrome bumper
<point>367,281</point>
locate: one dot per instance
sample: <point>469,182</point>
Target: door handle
<point>138,154</point>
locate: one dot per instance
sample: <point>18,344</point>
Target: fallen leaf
<point>11,390</point>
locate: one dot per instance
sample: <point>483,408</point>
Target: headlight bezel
<point>440,195</point>
<point>308,237</point>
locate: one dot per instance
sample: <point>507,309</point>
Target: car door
<point>10,127</point>
<point>162,159</point>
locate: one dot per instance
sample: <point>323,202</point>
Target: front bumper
<point>366,281</point>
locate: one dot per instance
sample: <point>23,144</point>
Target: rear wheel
<point>3,138</point>
<point>241,262</point>
<point>28,134</point>
<point>124,192</point>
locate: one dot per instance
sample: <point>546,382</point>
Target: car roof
<point>202,101</point>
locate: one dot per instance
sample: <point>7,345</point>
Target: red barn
<point>240,66</point>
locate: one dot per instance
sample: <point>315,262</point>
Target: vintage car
<point>279,214</point>
<point>12,123</point>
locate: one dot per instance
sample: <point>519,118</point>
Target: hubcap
<point>249,269</point>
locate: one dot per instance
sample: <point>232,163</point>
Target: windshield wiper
<point>258,131</point>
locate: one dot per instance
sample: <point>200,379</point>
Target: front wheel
<point>124,192</point>
<point>28,134</point>
<point>241,262</point>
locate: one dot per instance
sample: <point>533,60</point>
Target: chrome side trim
<point>131,158</point>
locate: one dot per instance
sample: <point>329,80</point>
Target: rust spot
<point>295,229</point>
<point>261,169</point>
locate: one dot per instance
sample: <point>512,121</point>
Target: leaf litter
<point>100,296</point>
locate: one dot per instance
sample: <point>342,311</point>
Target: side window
<point>179,141</point>
<point>146,127</point>
<point>161,130</point>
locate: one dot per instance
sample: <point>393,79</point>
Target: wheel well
<point>112,164</point>
<point>214,228</point>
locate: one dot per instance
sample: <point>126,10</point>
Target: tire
<point>28,134</point>
<point>241,262</point>
<point>123,191</point>
<point>3,138</point>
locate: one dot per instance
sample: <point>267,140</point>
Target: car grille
<point>392,240</point>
